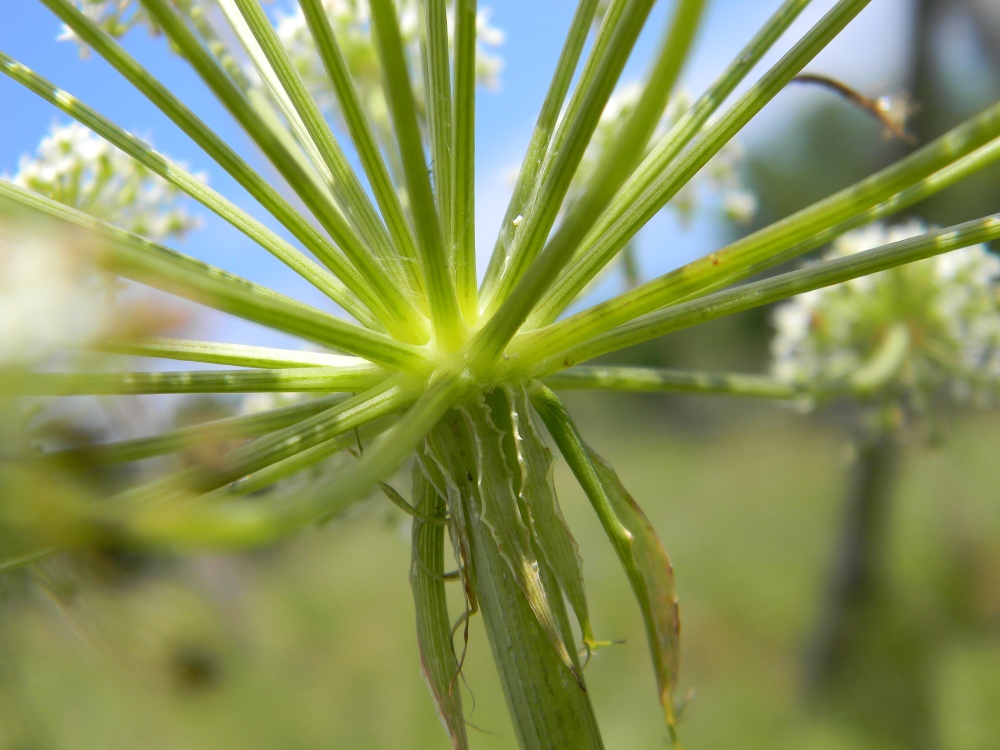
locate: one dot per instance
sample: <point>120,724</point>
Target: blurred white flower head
<point>50,294</point>
<point>948,304</point>
<point>115,17</point>
<point>351,21</point>
<point>77,168</point>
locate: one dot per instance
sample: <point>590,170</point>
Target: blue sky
<point>868,55</point>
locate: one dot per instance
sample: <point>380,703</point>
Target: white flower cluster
<point>115,17</point>
<point>949,304</point>
<point>50,294</point>
<point>721,176</point>
<point>351,22</point>
<point>76,167</point>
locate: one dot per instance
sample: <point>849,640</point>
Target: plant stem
<point>212,352</point>
<point>363,138</point>
<point>292,380</point>
<point>859,563</point>
<point>548,703</point>
<point>748,296</point>
<point>529,175</point>
<point>449,328</point>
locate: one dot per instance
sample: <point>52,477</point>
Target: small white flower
<point>949,304</point>
<point>115,17</point>
<point>74,166</point>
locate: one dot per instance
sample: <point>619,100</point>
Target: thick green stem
<point>549,708</point>
<point>466,462</point>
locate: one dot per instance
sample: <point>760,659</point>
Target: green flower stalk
<point>432,370</point>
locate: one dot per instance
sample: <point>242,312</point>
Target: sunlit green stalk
<point>211,352</point>
<point>462,229</point>
<point>395,310</point>
<point>659,380</point>
<point>531,167</point>
<point>212,144</point>
<point>618,33</point>
<point>187,438</point>
<point>435,50</point>
<point>267,477</point>
<point>599,250</point>
<point>965,149</point>
<point>873,375</point>
<point>449,327</point>
<point>300,379</point>
<point>272,102</point>
<point>135,258</point>
<point>375,403</point>
<point>345,181</point>
<point>635,206</point>
<point>364,140</point>
<point>238,524</point>
<point>625,152</point>
<point>488,344</point>
<point>178,176</point>
<point>826,273</point>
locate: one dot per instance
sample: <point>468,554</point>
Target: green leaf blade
<point>434,634</point>
<point>638,547</point>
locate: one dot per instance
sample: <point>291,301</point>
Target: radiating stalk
<point>136,258</point>
<point>780,287</point>
<point>598,252</point>
<point>181,178</point>
<point>358,206</point>
<point>363,138</point>
<point>449,327</point>
<point>375,403</point>
<point>488,344</point>
<point>265,478</point>
<point>434,55</point>
<point>872,375</point>
<point>186,438</point>
<point>213,145</point>
<point>272,102</point>
<point>300,380</point>
<point>273,105</point>
<point>967,148</point>
<point>627,148</point>
<point>378,292</point>
<point>617,36</point>
<point>462,227</point>
<point>659,380</point>
<point>240,524</point>
<point>531,166</point>
<point>212,352</point>
<point>641,208</point>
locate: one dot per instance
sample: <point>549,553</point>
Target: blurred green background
<point>311,644</point>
